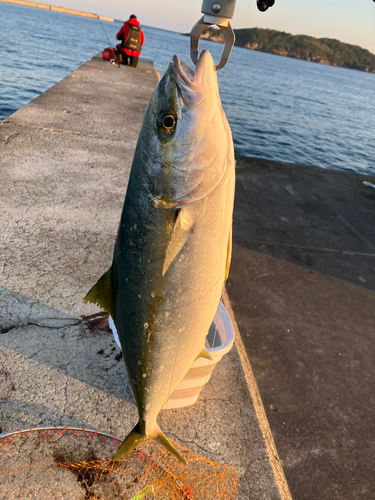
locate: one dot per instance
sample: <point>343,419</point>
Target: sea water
<point>278,108</point>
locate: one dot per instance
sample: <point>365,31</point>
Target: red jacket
<point>123,34</point>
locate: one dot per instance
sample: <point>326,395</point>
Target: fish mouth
<point>189,82</point>
<point>183,73</point>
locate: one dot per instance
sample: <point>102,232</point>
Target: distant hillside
<point>320,50</point>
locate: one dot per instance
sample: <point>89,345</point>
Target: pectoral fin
<point>204,354</point>
<point>180,232</point>
<point>101,294</point>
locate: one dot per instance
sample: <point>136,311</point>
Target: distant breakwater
<point>59,9</point>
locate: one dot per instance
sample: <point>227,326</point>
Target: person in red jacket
<point>132,38</point>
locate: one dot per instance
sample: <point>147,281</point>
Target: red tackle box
<point>108,54</point>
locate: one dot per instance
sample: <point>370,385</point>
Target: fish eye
<point>168,122</point>
<point>166,125</point>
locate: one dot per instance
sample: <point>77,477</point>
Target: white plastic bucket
<point>219,341</point>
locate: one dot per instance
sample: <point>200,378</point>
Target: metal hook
<point>229,39</point>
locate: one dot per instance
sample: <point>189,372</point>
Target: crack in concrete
<point>8,139</point>
<point>65,394</point>
<point>57,130</point>
<point>355,231</point>
<point>323,249</point>
<point>50,327</point>
<point>193,444</point>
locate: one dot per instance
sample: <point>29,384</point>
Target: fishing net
<point>72,464</point>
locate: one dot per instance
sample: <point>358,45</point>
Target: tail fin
<point>132,440</point>
<point>135,438</point>
<point>160,438</point>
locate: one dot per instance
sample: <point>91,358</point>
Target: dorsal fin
<point>101,294</point>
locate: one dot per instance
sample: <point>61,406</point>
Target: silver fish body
<point>173,246</point>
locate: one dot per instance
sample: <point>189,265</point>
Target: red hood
<point>134,22</point>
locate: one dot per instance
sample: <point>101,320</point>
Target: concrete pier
<point>65,159</point>
<point>302,286</point>
<point>55,8</point>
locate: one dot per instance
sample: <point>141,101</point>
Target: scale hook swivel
<point>214,13</point>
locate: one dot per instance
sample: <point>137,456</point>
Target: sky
<point>350,21</point>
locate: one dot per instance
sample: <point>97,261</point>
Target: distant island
<point>321,50</point>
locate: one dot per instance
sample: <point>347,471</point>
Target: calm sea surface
<point>278,108</point>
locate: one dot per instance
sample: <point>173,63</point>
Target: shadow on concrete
<point>64,374</point>
<point>41,334</point>
<point>302,289</point>
<point>320,219</point>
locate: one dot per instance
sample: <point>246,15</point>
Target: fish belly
<point>163,320</point>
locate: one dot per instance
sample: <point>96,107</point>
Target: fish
<point>173,248</point>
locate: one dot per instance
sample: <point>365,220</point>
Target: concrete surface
<point>65,160</point>
<point>320,219</point>
<point>66,374</point>
<point>302,287</point>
